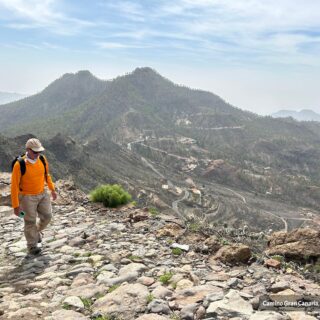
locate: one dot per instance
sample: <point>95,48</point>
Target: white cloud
<point>262,31</point>
<point>117,45</point>
<point>269,29</point>
<point>42,14</point>
<point>252,15</point>
<point>227,27</point>
<point>130,10</point>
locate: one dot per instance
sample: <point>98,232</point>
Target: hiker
<point>29,175</point>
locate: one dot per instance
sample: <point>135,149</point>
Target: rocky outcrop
<point>212,244</point>
<point>299,244</point>
<point>233,254</point>
<point>170,230</point>
<point>5,192</point>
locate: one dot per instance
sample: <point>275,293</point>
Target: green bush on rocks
<point>110,195</point>
<point>165,278</point>
<point>150,297</point>
<point>153,211</point>
<point>176,251</point>
<point>278,258</point>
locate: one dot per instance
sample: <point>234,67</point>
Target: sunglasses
<point>36,152</point>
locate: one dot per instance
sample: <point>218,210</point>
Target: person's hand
<point>17,210</point>
<point>54,195</point>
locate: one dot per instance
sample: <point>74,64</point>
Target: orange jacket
<point>31,183</point>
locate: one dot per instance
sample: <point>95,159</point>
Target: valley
<point>210,203</point>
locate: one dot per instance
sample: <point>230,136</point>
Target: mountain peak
<point>83,80</point>
<point>302,115</point>
<point>84,73</point>
<point>309,111</point>
<point>145,70</point>
<point>147,77</point>
<point>81,74</point>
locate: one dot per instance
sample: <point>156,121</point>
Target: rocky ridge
<point>100,263</point>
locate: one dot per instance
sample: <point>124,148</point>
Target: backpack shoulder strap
<point>43,160</point>
<point>22,164</point>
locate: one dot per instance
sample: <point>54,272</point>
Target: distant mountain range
<point>302,115</point>
<point>131,126</point>
<point>6,97</point>
<point>141,100</point>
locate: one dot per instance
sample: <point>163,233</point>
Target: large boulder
<point>233,254</point>
<point>170,230</point>
<point>299,244</point>
<point>232,305</point>
<point>124,301</point>
<point>195,294</point>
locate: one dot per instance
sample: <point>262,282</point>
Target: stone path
<point>118,264</point>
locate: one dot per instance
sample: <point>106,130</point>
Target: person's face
<point>33,154</point>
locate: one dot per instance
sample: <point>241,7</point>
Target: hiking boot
<point>34,250</point>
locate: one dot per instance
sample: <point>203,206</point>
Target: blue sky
<point>257,55</point>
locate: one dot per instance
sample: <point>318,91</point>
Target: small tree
<point>110,195</point>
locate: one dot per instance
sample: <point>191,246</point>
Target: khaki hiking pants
<point>33,206</point>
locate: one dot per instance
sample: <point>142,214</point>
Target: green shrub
<point>110,195</point>
<point>99,295</point>
<point>175,316</point>
<point>165,278</point>
<point>278,258</point>
<point>87,254</point>
<point>313,268</point>
<point>194,227</point>
<point>169,241</point>
<point>176,251</point>
<point>114,287</point>
<point>133,257</point>
<point>66,306</point>
<point>87,303</point>
<point>316,268</point>
<point>224,242</point>
<point>153,211</point>
<point>150,297</point>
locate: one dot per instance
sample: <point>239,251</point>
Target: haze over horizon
<point>260,57</point>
